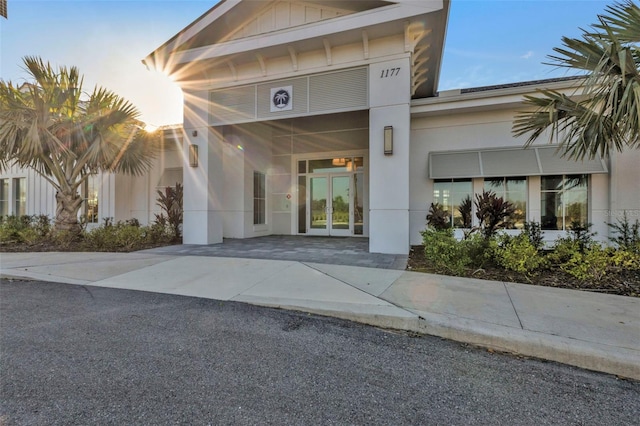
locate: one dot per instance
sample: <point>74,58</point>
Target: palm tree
<point>65,135</point>
<point>604,116</point>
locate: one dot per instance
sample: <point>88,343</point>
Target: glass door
<point>340,207</point>
<point>318,207</point>
<point>330,205</point>
<point>331,196</point>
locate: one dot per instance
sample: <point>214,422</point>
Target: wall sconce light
<point>194,133</point>
<point>193,155</point>
<point>388,140</point>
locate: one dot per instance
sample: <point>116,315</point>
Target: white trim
<point>318,29</point>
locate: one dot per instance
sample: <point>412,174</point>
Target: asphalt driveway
<point>86,355</point>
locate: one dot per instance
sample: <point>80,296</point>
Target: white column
<point>389,100</point>
<point>204,184</point>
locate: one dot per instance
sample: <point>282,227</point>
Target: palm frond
<point>622,19</point>
<point>604,116</point>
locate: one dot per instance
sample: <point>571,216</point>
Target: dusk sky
<point>487,42</point>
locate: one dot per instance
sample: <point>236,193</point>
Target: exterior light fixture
<point>194,133</point>
<point>388,140</point>
<point>193,155</point>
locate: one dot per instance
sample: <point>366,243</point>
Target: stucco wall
<point>491,129</point>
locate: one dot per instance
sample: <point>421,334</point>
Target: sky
<point>488,42</point>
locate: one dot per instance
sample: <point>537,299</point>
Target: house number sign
<point>390,72</point>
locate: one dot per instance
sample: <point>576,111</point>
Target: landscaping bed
<point>622,282</point>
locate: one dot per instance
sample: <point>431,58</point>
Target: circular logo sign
<point>281,99</point>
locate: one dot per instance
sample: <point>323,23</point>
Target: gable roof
<point>234,31</point>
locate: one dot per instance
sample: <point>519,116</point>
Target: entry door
<point>330,204</point>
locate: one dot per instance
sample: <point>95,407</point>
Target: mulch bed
<point>622,283</point>
<point>51,246</point>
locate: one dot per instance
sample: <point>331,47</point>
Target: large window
<point>454,195</point>
<point>259,199</point>
<point>20,196</point>
<point>91,187</point>
<point>4,197</point>
<point>563,201</point>
<point>514,190</point>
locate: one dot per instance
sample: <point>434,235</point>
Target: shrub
<point>478,249</point>
<point>24,229</point>
<point>170,201</point>
<point>628,235</point>
<point>533,231</point>
<point>563,250</point>
<point>444,252</point>
<point>581,234</point>
<point>10,229</point>
<point>590,264</point>
<point>158,233</point>
<point>438,217</point>
<point>65,240</point>
<point>132,222</point>
<point>492,212</point>
<point>518,254</point>
<point>465,212</point>
<point>626,259</point>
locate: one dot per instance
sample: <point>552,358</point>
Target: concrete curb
<point>588,355</point>
<point>620,361</point>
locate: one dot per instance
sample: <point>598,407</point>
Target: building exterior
<point>106,195</point>
<point>323,118</point>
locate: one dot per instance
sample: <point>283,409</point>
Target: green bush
<point>24,229</point>
<point>533,231</point>
<point>478,249</point>
<point>66,240</point>
<point>518,254</point>
<point>627,234</point>
<point>589,265</point>
<point>110,236</point>
<point>121,236</point>
<point>563,250</point>
<point>444,252</point>
<point>581,233</point>
<point>626,259</point>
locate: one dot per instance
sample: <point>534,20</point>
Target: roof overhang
<point>203,47</point>
<point>490,98</point>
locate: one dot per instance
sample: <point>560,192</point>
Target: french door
<point>330,204</point>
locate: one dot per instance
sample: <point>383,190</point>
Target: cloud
<point>527,55</point>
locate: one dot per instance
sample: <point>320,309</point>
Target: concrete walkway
<point>593,331</point>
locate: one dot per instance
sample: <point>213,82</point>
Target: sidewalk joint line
<point>362,291</point>
<point>512,305</point>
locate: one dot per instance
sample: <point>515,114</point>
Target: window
<point>259,199</point>
<point>514,190</point>
<point>452,195</point>
<point>20,196</point>
<point>4,197</point>
<point>91,187</point>
<point>563,201</point>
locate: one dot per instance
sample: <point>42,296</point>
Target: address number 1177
<point>390,72</point>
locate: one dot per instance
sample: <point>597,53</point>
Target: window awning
<point>534,161</point>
